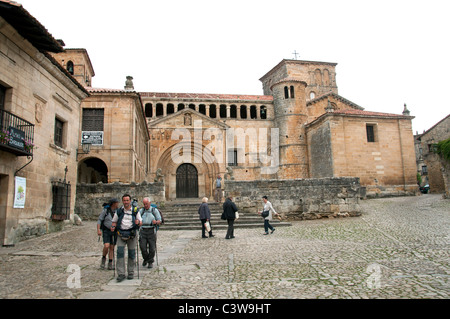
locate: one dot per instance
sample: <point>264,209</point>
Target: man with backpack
<point>104,229</point>
<point>151,219</point>
<point>126,222</point>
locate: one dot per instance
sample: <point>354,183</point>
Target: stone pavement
<point>398,248</point>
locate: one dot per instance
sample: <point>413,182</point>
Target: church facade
<point>299,128</point>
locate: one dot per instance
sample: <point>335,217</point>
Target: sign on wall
<point>16,138</point>
<point>20,190</point>
<point>92,137</point>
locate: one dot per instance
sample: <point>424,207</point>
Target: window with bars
<point>61,200</point>
<point>92,120</point>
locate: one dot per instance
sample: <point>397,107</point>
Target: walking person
<point>218,189</point>
<point>126,222</point>
<point>268,209</point>
<point>229,213</point>
<point>104,229</point>
<point>205,216</point>
<point>151,219</point>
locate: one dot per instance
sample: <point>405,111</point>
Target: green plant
<point>443,149</point>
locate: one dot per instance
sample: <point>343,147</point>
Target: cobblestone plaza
<point>397,248</point>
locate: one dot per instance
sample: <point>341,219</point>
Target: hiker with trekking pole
<point>126,223</point>
<point>151,219</point>
<point>104,225</point>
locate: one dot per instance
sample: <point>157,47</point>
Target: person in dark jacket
<point>229,213</point>
<point>205,216</point>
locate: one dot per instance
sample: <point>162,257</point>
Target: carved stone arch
<point>202,160</point>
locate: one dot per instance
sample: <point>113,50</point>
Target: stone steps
<point>183,215</point>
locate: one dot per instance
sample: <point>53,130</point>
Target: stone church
<point>300,127</point>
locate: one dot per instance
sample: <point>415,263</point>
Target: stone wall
<point>299,198</point>
<point>90,197</point>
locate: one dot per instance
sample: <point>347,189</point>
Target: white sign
<point>93,137</point>
<point>19,192</point>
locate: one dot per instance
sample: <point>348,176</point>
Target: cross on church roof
<point>295,54</point>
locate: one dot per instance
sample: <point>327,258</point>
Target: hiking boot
<point>150,265</point>
<point>130,277</point>
<point>110,265</point>
<point>144,263</point>
<point>120,278</point>
<point>102,265</point>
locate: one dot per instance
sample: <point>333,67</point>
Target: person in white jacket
<point>268,207</point>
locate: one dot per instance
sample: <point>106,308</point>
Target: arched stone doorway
<point>92,170</point>
<point>207,169</point>
<point>187,181</point>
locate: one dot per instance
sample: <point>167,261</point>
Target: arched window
<point>286,92</point>
<point>148,110</point>
<point>233,111</point>
<point>243,111</point>
<point>212,111</point>
<point>202,109</point>
<point>292,92</point>
<point>70,67</point>
<point>192,106</point>
<point>223,111</point>
<point>180,106</point>
<point>253,113</point>
<point>170,108</point>
<point>312,95</point>
<point>263,112</point>
<point>159,110</point>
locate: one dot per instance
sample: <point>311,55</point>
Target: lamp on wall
<point>86,148</point>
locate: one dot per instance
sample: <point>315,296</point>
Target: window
<point>202,109</point>
<point>170,108</point>
<point>212,111</point>
<point>70,67</point>
<point>92,120</point>
<point>312,95</point>
<point>61,200</point>
<point>232,157</point>
<point>159,109</point>
<point>424,170</point>
<point>148,110</point>
<point>292,92</point>
<point>59,130</point>
<point>263,112</point>
<point>370,130</point>
<point>2,97</point>
<point>243,111</point>
<point>286,92</point>
<point>223,111</point>
<point>253,112</point>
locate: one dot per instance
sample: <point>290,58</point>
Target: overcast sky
<point>388,52</point>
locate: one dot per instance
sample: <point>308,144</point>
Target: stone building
<point>318,134</point>
<point>39,128</point>
<point>429,165</point>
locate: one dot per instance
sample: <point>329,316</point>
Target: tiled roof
<point>28,27</point>
<point>337,97</point>
<point>370,114</point>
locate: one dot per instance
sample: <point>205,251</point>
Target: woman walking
<point>267,214</point>
<point>205,217</point>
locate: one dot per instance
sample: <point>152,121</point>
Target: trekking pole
<point>156,247</point>
<point>137,253</point>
